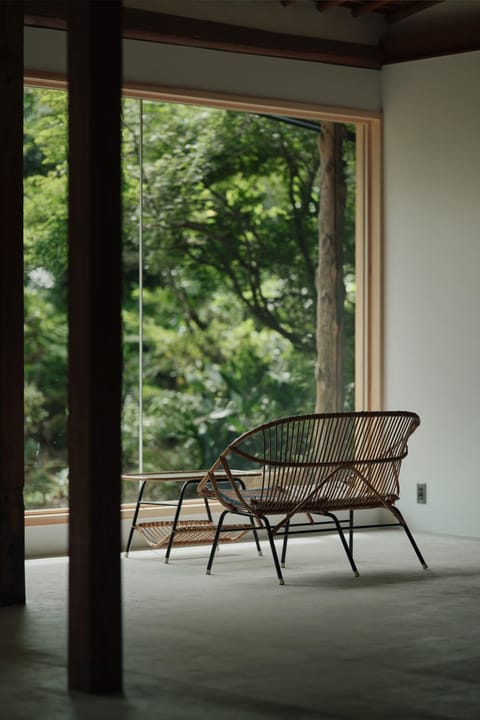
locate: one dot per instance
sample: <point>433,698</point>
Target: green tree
<point>45,260</point>
<point>231,249</point>
<point>230,229</point>
<point>234,200</point>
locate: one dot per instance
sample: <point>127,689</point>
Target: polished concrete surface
<point>397,642</point>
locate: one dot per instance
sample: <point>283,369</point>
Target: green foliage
<point>230,203</point>
<point>45,262</point>
<point>234,199</point>
<point>45,182</point>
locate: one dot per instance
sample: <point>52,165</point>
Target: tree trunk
<point>329,276</point>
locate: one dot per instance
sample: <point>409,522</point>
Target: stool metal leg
<point>177,515</point>
<point>135,516</point>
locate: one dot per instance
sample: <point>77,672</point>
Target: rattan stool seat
<point>187,532</point>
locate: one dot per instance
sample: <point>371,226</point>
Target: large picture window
<point>244,287</point>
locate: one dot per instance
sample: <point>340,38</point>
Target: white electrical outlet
<point>422,493</point>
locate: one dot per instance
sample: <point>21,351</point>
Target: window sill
<point>60,516</point>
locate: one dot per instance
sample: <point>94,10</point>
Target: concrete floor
<point>397,642</point>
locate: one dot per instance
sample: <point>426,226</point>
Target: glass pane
<point>45,297</point>
<point>230,234</point>
<point>228,222</point>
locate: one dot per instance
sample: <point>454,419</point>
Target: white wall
<point>276,78</point>
<point>222,72</point>
<point>432,282</point>
<point>48,540</point>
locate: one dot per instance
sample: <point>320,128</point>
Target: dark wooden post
<point>12,542</point>
<point>94,76</point>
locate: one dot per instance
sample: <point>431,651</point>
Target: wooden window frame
<point>368,227</point>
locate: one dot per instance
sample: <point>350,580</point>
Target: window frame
<point>368,231</point>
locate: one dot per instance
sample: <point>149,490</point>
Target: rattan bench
<point>318,465</point>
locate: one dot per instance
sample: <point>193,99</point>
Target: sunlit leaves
<point>229,228</point>
<point>45,181</point>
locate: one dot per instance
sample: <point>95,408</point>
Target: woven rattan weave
<point>188,532</point>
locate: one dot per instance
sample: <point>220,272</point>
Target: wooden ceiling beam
<point>176,30</point>
<point>448,40</point>
<point>159,27</point>
<point>50,14</point>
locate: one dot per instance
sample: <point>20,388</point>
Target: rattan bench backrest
<point>328,439</point>
<point>316,462</point>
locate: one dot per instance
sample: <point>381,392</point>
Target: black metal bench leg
<point>274,551</point>
<point>252,521</point>
<point>207,510</point>
<point>284,545</point>
<point>344,543</point>
<point>255,535</point>
<point>215,541</point>
<point>396,512</point>
<point>350,531</point>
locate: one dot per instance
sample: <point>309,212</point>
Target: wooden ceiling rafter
<point>392,10</point>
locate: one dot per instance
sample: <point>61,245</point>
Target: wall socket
<point>422,493</point>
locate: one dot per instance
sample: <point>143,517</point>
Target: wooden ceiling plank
<point>365,8</point>
<point>448,40</point>
<point>412,8</point>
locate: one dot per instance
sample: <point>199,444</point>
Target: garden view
<point>220,255</point>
